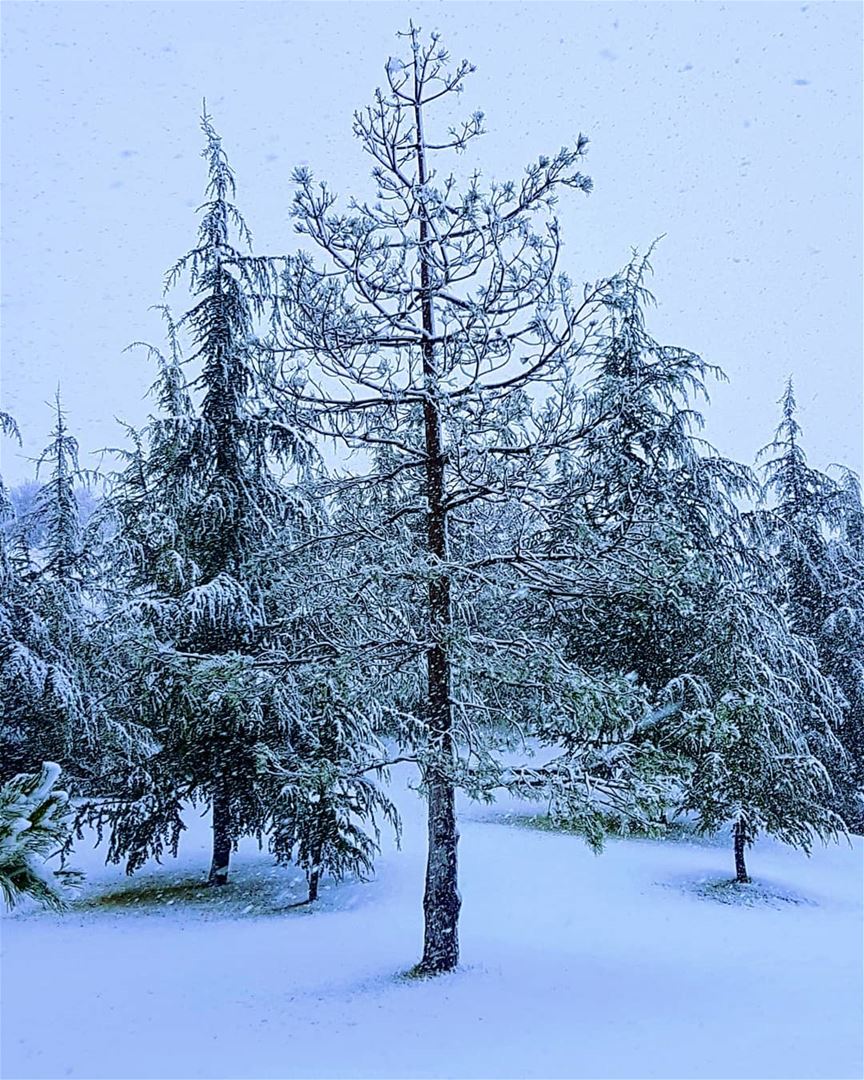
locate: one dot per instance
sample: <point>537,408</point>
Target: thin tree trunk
<point>441,901</point>
<point>221,837</point>
<point>740,835</point>
<point>314,875</point>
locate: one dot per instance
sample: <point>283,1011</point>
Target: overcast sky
<point>735,129</point>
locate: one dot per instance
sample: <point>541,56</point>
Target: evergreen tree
<point>740,714</point>
<point>440,342</point>
<point>813,531</point>
<point>202,510</point>
<point>647,490</point>
<point>51,668</point>
<point>755,724</point>
<point>841,650</point>
<point>196,496</point>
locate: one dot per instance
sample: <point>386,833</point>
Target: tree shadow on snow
<point>759,893</point>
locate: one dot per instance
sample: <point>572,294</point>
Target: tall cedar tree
<point>644,482</point>
<point>740,712</point>
<point>196,500</point>
<point>217,633</point>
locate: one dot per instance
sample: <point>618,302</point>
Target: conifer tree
<point>22,637</point>
<point>813,530</point>
<point>740,716</point>
<point>52,678</point>
<point>841,650</point>
<point>756,725</point>
<point>203,504</point>
<point>196,495</point>
<point>439,340</point>
<point>645,485</point>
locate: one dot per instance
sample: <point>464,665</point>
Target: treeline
<point>409,495</point>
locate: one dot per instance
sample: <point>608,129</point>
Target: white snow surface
<point>635,963</point>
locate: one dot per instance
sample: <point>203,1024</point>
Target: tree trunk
<point>740,835</point>
<point>441,900</point>
<point>314,878</point>
<point>221,837</point>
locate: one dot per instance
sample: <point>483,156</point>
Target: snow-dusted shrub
<point>34,825</point>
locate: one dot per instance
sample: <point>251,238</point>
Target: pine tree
<point>34,825</point>
<point>439,341</point>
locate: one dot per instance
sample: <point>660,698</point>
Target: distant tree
<point>50,672</point>
<point>23,498</point>
<point>813,532</point>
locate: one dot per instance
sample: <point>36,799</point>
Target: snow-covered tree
<point>741,714</point>
<point>648,491</point>
<point>197,494</point>
<point>813,533</point>
<point>753,717</point>
<point>329,794</point>
<point>841,650</point>
<point>50,670</point>
<point>203,504</point>
<point>438,342</point>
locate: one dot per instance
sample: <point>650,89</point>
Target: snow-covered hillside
<point>624,965</point>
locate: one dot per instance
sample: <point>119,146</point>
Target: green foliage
<point>761,732</point>
<point>34,825</point>
<point>215,671</point>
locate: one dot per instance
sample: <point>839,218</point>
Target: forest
<point>413,496</point>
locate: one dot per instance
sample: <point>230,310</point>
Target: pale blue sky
<point>735,129</point>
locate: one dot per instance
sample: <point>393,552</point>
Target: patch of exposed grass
<point>150,894</point>
<point>749,894</point>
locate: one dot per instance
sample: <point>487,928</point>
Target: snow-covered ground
<point>628,964</point>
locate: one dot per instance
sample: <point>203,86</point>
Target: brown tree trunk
<point>740,834</point>
<point>221,837</point>
<point>441,901</point>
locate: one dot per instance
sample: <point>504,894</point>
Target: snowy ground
<point>629,964</point>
